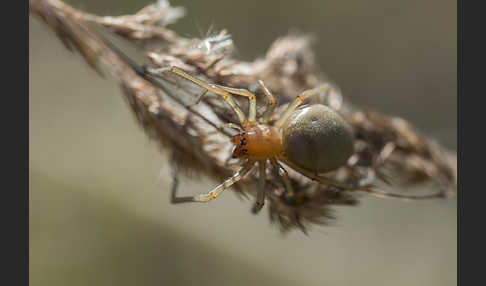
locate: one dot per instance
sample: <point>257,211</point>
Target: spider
<point>311,140</point>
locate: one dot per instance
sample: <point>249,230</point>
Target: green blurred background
<point>99,198</point>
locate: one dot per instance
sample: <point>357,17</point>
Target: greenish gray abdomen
<point>317,139</point>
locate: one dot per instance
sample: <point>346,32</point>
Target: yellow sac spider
<point>311,140</point>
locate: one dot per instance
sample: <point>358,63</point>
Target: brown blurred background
<point>99,188</point>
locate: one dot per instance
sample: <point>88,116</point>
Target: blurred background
<point>99,188</point>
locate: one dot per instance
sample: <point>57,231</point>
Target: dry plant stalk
<point>388,150</point>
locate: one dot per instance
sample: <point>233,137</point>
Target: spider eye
<point>239,139</point>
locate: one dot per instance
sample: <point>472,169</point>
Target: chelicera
<point>311,140</point>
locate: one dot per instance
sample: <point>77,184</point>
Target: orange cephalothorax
<point>259,141</point>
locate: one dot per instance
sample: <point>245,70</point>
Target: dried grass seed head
<point>381,146</point>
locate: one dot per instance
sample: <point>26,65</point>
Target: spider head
<point>240,142</point>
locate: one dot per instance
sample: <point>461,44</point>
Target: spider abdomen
<point>317,139</point>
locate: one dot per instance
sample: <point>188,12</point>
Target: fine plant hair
<point>389,151</point>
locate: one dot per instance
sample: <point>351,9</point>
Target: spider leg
<point>260,200</point>
<point>363,185</point>
<point>217,190</point>
<point>221,128</point>
<point>299,100</point>
<point>198,99</point>
<point>245,93</point>
<point>284,176</point>
<point>270,105</point>
<point>381,194</point>
<point>175,185</point>
<point>210,87</point>
<point>230,125</point>
<point>321,179</point>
